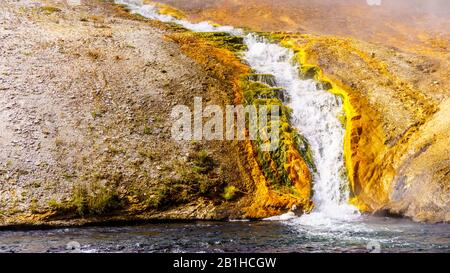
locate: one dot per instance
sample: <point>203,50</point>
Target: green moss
<point>94,55</point>
<point>256,91</point>
<point>58,142</point>
<point>94,200</point>
<point>124,7</point>
<point>306,152</point>
<point>203,162</point>
<point>102,200</point>
<point>36,184</point>
<point>61,208</point>
<point>229,193</point>
<point>87,200</point>
<point>271,37</point>
<point>34,207</point>
<point>114,150</point>
<point>49,9</point>
<point>170,194</point>
<point>53,204</point>
<point>263,78</point>
<point>308,72</point>
<point>273,163</point>
<point>176,27</point>
<point>147,153</point>
<point>9,163</point>
<point>205,187</point>
<point>196,179</point>
<point>325,85</point>
<point>147,130</point>
<point>342,119</point>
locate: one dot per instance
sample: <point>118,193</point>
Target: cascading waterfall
<point>315,114</point>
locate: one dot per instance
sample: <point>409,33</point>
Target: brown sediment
<point>85,121</point>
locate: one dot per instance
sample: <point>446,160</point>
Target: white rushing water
<point>315,114</point>
<point>150,11</point>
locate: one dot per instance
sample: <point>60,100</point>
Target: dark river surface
<point>366,234</point>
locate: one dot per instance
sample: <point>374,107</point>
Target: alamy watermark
<point>234,122</point>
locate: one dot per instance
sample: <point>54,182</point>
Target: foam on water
<point>315,114</point>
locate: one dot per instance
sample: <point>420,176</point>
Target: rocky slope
<point>85,122</point>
